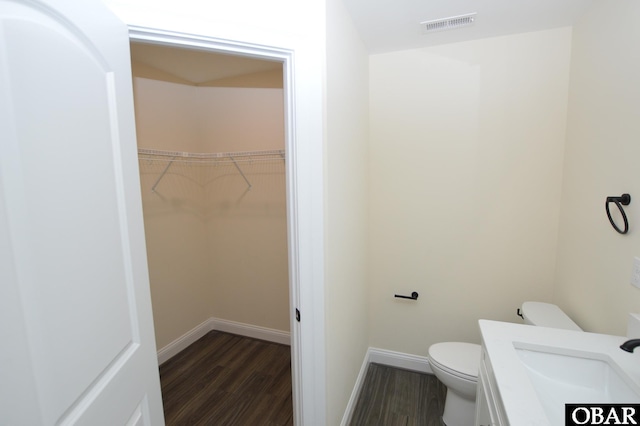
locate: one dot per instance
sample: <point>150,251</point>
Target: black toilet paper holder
<point>414,296</point>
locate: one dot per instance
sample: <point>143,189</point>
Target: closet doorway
<point>211,139</point>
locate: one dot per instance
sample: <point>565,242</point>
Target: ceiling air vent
<point>447,23</point>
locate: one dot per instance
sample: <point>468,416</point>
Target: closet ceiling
<point>388,25</point>
<point>196,67</point>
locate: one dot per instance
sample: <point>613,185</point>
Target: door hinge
<point>297,315</point>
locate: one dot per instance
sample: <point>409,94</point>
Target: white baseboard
<point>400,360</point>
<point>355,393</point>
<point>385,357</point>
<point>181,343</point>
<point>248,330</point>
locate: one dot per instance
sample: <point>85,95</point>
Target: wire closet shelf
<point>210,158</point>
<point>237,160</point>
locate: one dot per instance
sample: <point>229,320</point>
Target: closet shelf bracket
<point>240,171</point>
<point>153,188</point>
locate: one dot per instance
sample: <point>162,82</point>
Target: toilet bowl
<point>456,364</point>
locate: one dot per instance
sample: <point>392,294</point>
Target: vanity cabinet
<point>483,416</point>
<point>489,411</point>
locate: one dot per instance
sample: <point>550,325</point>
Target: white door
<point>76,331</point>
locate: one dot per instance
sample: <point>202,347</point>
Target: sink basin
<point>574,378</point>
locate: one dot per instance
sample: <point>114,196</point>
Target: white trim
<point>241,329</point>
<point>182,342</point>
<point>248,330</point>
<point>400,360</point>
<point>384,357</point>
<point>357,389</point>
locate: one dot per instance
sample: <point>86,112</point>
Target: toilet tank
<point>547,315</point>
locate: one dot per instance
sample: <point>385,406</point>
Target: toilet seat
<point>457,358</point>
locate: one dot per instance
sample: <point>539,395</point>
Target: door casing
<point>307,364</point>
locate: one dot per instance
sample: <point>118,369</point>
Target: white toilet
<point>456,364</point>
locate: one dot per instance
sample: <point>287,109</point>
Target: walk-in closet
<point>210,131</point>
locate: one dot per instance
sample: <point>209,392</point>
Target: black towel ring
<point>623,200</point>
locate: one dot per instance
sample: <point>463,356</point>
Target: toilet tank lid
<point>547,315</point>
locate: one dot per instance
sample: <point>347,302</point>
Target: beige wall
<point>166,117</point>
<point>466,154</point>
<point>240,119</point>
<point>480,121</point>
<point>595,262</point>
<point>215,248</point>
<point>175,215</point>
<point>346,218</point>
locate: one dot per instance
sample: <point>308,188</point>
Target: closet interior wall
<point>216,248</point>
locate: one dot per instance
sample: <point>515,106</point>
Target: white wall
<point>346,193</point>
<point>594,262</point>
<point>466,154</point>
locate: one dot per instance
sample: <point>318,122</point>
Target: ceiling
<point>198,66</point>
<point>384,25</point>
<point>388,25</point>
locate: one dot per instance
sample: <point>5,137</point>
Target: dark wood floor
<point>224,379</point>
<point>393,397</point>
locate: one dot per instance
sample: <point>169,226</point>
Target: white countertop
<point>517,394</point>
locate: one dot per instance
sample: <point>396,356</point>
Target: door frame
<point>307,336</point>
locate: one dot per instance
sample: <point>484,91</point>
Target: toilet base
<point>458,411</point>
